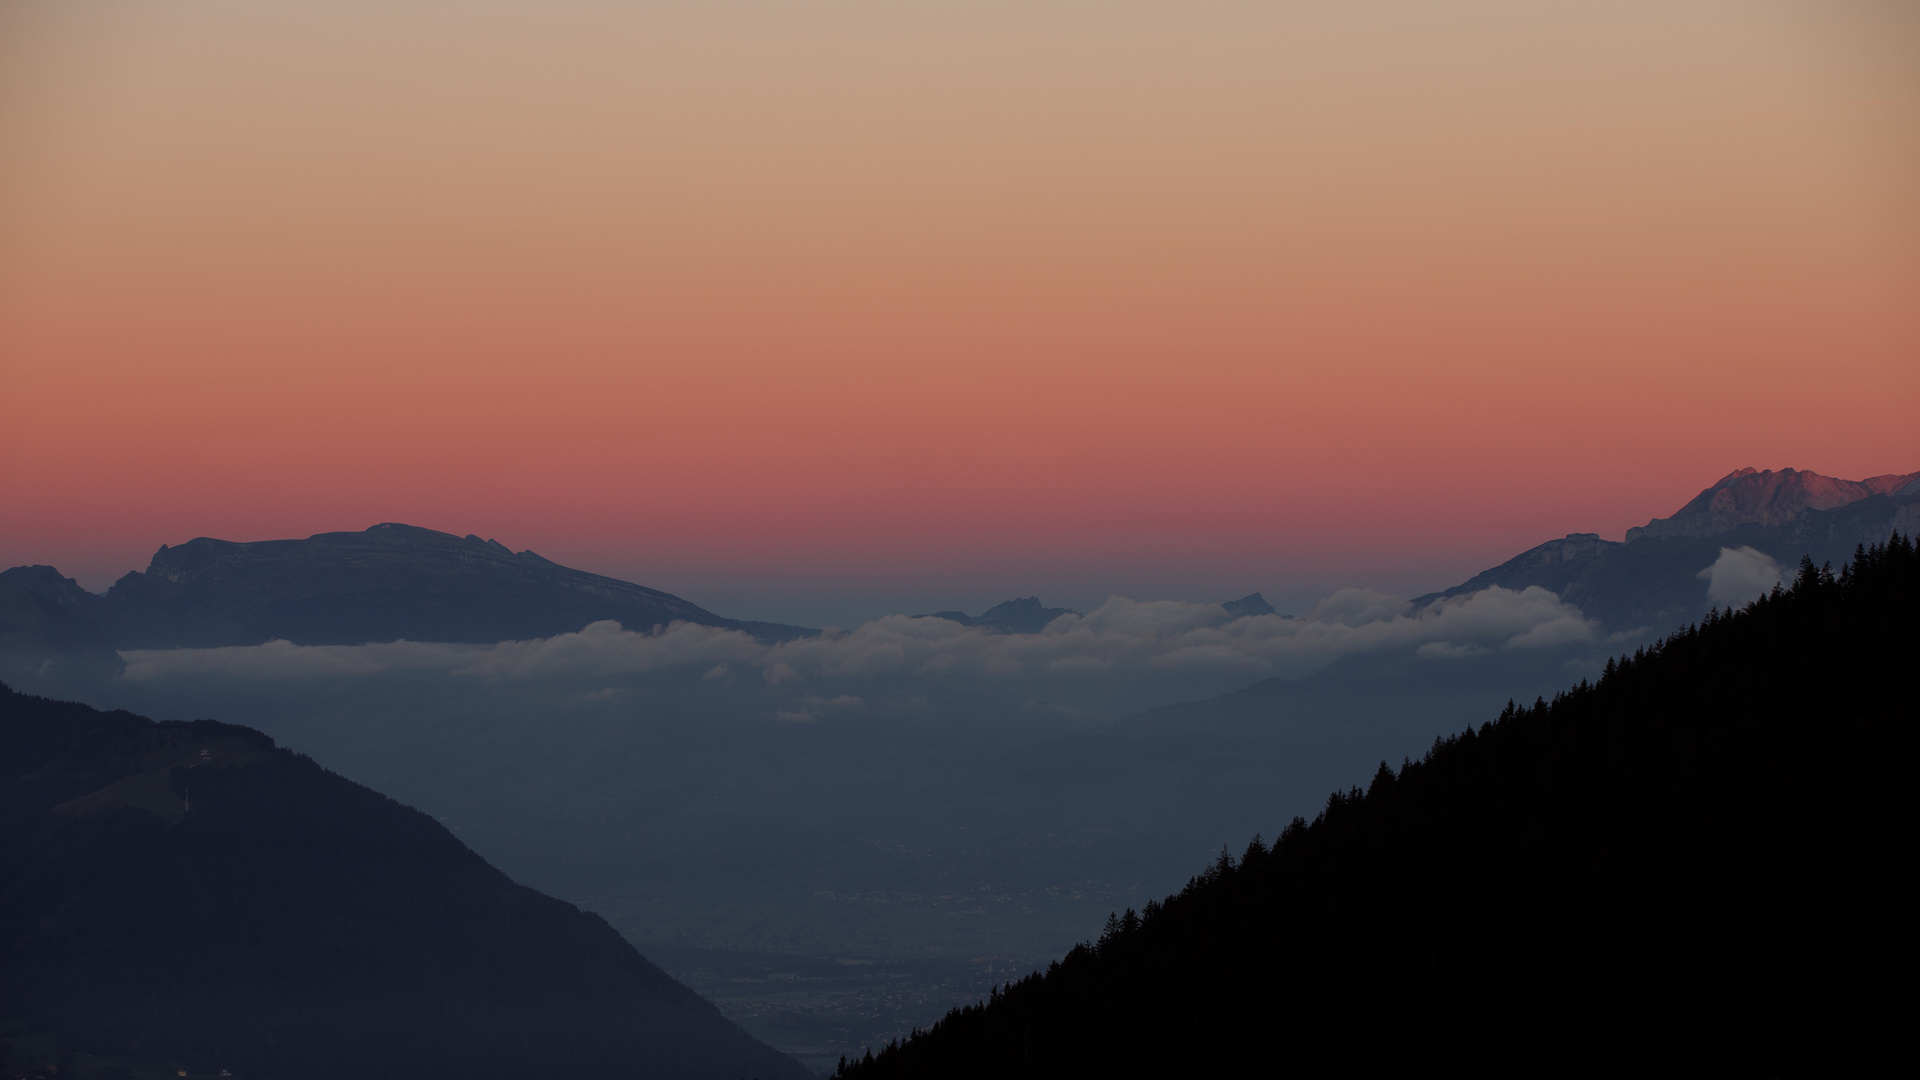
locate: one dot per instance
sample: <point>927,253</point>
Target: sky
<point>818,311</point>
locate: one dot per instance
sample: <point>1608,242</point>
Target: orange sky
<point>771,302</point>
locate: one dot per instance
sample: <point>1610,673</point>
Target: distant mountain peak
<point>1767,498</point>
<point>1027,607</point>
<point>497,545</point>
<point>50,583</point>
<point>1250,604</point>
<point>1026,615</point>
<point>1655,577</point>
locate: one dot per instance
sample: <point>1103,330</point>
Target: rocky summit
<point>1772,499</point>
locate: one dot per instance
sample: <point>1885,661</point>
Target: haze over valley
<point>903,811</point>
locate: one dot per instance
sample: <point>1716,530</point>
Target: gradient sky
<point>817,310</point>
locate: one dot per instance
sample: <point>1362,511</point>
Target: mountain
<point>51,630</point>
<point>1024,616</point>
<point>1028,616</point>
<point>1249,605</point>
<point>1770,499</point>
<point>1690,864</point>
<point>346,588</point>
<point>189,894</point>
<point>1658,577</point>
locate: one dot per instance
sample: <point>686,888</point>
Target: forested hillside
<point>1694,860</point>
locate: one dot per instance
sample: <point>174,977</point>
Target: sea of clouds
<point>1122,639</point>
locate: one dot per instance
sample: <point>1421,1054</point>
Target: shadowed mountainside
<point>1691,862</point>
<point>186,892</point>
<point>348,588</point>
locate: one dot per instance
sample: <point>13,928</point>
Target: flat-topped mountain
<point>189,895</point>
<point>1659,576</point>
<point>347,588</point>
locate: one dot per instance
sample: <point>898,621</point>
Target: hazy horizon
<point>844,599</point>
<point>814,312</point>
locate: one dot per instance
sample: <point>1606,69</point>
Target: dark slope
<point>389,582</point>
<point>187,892</point>
<point>1652,580</point>
<point>1697,862</point>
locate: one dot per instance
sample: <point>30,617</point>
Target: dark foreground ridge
<point>188,895</point>
<point>1698,861</point>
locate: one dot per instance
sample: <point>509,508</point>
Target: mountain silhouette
<point>1023,616</point>
<point>1653,580</point>
<point>348,588</point>
<point>1689,866</point>
<point>1771,499</point>
<point>189,894</point>
<point>53,632</point>
<point>1249,605</point>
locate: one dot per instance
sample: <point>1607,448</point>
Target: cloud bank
<point>1740,575</point>
<point>1122,639</point>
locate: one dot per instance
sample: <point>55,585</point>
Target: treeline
<point>1695,862</point>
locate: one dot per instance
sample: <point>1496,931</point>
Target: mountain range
<point>1656,578</point>
<point>395,581</point>
<point>1027,615</point>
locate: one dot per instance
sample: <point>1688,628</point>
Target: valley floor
<point>819,1008</point>
<point>818,996</point>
